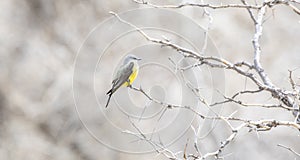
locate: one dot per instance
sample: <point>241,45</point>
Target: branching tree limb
<point>287,99</point>
<point>270,4</point>
<point>216,62</point>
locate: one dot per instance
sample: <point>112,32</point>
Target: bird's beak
<point>138,59</point>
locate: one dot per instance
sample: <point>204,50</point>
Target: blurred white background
<point>39,42</point>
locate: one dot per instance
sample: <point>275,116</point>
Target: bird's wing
<point>122,76</point>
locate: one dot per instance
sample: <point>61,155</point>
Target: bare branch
<point>295,9</point>
<point>291,80</point>
<point>262,125</point>
<point>216,62</point>
<point>224,143</point>
<point>257,49</point>
<point>250,12</point>
<point>158,147</point>
<point>246,92</point>
<point>232,99</point>
<point>290,149</point>
<point>198,5</point>
<point>287,100</point>
<point>184,150</point>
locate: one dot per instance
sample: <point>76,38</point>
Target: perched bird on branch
<point>125,75</point>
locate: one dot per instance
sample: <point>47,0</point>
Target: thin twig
<point>290,149</point>
<point>198,5</point>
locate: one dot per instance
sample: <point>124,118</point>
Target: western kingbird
<point>125,75</point>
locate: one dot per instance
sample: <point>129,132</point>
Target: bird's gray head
<point>131,57</point>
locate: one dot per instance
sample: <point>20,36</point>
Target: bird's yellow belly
<point>131,78</point>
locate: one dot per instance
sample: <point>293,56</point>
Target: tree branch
<point>187,4</point>
<point>290,149</point>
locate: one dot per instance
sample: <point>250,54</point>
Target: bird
<point>125,75</point>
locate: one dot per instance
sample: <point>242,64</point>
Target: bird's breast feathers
<point>132,77</point>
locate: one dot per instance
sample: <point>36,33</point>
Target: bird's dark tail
<point>109,93</point>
